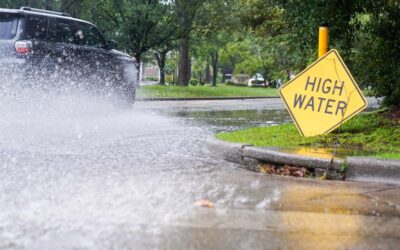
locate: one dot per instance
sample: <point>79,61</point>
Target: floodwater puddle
<point>230,120</point>
<point>325,152</point>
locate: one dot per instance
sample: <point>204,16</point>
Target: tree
<point>73,7</point>
<point>160,54</point>
<point>369,47</point>
<point>376,51</point>
<point>213,31</point>
<point>299,20</point>
<point>231,55</point>
<point>44,4</point>
<point>186,10</point>
<point>138,25</point>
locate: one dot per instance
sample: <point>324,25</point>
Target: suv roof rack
<point>44,11</point>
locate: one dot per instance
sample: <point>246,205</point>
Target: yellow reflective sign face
<point>323,96</point>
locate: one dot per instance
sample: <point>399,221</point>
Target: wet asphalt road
<point>77,173</point>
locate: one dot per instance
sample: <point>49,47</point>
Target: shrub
<point>151,78</point>
<point>169,79</point>
<point>194,82</point>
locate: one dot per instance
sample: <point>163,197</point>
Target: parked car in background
<point>41,43</point>
<point>257,80</point>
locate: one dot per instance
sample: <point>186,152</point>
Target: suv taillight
<point>23,47</point>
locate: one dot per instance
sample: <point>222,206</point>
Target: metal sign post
<point>323,41</point>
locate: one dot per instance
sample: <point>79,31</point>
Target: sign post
<point>323,40</point>
<point>323,96</point>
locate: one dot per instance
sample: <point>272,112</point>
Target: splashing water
<point>72,161</point>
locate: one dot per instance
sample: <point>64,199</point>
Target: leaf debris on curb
<point>285,170</point>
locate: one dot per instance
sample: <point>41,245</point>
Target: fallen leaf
<point>298,173</point>
<point>204,203</point>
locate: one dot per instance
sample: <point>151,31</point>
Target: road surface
<point>77,173</point>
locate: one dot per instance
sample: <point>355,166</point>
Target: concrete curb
<point>277,157</point>
<point>150,99</point>
<point>357,168</point>
<point>232,152</point>
<point>243,154</point>
<point>373,170</point>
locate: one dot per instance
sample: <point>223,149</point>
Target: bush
<point>194,82</point>
<point>169,79</point>
<point>151,78</point>
<point>376,58</point>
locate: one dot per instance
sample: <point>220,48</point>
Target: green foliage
<point>376,53</point>
<point>151,78</point>
<point>169,79</point>
<point>212,32</point>
<point>365,32</point>
<point>271,37</point>
<point>138,25</point>
<point>194,82</point>
<point>73,7</point>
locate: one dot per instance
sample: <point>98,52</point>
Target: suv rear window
<point>64,32</point>
<point>72,32</point>
<point>8,26</point>
<point>89,36</point>
<point>36,27</point>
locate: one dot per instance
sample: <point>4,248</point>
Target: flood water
<point>78,173</point>
<point>231,120</point>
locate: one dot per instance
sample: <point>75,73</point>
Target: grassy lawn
<point>204,91</point>
<point>371,132</point>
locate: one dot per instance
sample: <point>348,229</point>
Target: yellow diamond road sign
<point>323,96</point>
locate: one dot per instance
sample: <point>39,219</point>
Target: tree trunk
<point>288,72</point>
<point>160,57</point>
<point>184,62</point>
<point>189,69</point>
<point>208,73</point>
<point>200,77</point>
<point>214,63</point>
<point>137,64</point>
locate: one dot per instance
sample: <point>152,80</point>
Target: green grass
<point>221,90</point>
<point>369,132</point>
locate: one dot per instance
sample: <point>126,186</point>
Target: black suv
<point>35,42</point>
